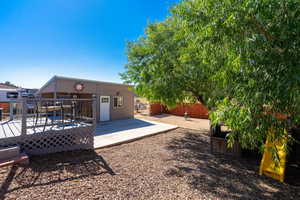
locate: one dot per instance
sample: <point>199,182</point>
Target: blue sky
<point>76,38</point>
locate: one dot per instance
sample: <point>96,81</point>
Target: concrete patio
<point>121,131</point>
<point>190,123</point>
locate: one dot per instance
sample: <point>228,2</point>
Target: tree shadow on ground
<point>55,168</point>
<point>222,176</point>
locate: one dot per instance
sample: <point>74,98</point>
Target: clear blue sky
<point>76,38</point>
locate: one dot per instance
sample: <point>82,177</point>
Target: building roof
<point>9,90</point>
<point>5,86</point>
<point>77,79</point>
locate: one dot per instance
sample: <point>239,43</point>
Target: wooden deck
<point>42,126</point>
<point>12,128</point>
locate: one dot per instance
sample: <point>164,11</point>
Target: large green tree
<point>166,66</point>
<point>239,57</point>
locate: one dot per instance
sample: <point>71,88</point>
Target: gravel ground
<point>172,165</point>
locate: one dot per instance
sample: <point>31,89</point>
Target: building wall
<point>124,112</point>
<point>5,107</point>
<point>47,95</point>
<point>102,89</point>
<point>3,95</point>
<point>67,85</point>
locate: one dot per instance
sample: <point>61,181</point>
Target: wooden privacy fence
<point>192,110</point>
<point>51,125</point>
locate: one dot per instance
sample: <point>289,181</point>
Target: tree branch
<point>262,30</point>
<point>199,97</point>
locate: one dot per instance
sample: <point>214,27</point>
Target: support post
<point>94,109</point>
<point>1,112</point>
<point>54,101</point>
<point>24,116</point>
<point>54,104</point>
<point>11,111</point>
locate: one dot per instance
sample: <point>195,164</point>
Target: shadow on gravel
<point>222,176</point>
<point>55,168</point>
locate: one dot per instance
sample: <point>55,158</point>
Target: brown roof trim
<point>54,78</point>
<point>46,84</point>
<point>93,81</point>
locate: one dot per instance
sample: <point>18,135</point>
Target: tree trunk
<point>215,130</point>
<point>200,99</point>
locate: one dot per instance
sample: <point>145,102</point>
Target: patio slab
<point>121,131</point>
<point>190,123</point>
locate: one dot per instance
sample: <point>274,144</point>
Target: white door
<point>104,108</point>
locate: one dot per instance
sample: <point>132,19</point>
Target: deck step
<point>22,158</point>
<point>9,152</point>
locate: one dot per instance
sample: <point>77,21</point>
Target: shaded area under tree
<point>226,176</point>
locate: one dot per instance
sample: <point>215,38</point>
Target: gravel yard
<point>172,165</point>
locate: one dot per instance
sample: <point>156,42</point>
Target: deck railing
<point>52,125</point>
<point>46,113</point>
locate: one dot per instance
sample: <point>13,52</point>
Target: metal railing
<point>48,114</point>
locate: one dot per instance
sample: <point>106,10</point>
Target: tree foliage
<point>165,67</point>
<point>241,58</point>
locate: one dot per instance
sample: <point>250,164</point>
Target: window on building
<point>118,101</point>
<point>104,100</point>
<point>12,95</point>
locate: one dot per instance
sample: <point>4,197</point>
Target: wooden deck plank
<point>2,132</point>
<point>32,130</point>
<point>13,129</point>
<point>17,126</point>
<point>7,130</point>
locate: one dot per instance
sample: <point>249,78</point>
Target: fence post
<point>24,116</point>
<point>94,108</point>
